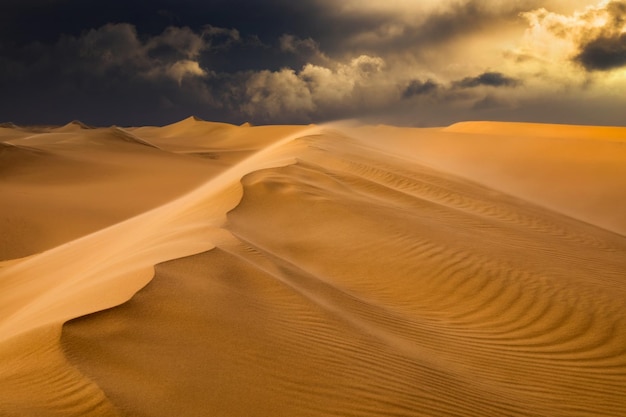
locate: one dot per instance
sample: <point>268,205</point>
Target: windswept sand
<point>205,269</point>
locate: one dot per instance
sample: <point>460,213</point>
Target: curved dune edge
<point>397,308</point>
<point>356,283</point>
<point>99,271</point>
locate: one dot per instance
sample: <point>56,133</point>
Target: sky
<point>403,62</point>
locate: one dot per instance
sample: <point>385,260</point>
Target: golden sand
<point>206,269</point>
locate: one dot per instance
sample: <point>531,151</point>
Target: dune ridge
<point>612,133</point>
<point>129,137</point>
<point>321,271</point>
<point>70,280</point>
<point>161,230</point>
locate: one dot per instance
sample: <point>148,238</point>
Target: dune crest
<point>189,121</point>
<point>541,130</point>
<point>73,126</point>
<point>128,136</point>
<point>315,271</point>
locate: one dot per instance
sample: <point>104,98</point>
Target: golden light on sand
<point>471,270</point>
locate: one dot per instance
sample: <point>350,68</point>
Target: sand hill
<point>207,269</point>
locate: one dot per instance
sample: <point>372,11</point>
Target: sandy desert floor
<point>206,269</point>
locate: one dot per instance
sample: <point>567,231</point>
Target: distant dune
<point>207,269</point>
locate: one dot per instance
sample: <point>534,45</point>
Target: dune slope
<point>369,271</point>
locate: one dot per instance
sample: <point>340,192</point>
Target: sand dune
<point>474,270</point>
<point>58,186</point>
<point>575,170</point>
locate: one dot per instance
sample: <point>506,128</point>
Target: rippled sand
<point>204,269</point>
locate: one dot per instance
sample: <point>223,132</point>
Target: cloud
<point>293,44</point>
<point>409,27</point>
<point>594,38</point>
<point>603,53</point>
<point>115,50</point>
<point>220,38</point>
<point>109,46</point>
<point>112,70</point>
<point>176,43</point>
<point>419,88</point>
<point>489,79</point>
<point>185,68</point>
<point>307,48</point>
<point>272,94</point>
<point>315,90</point>
<point>490,102</point>
<point>426,62</point>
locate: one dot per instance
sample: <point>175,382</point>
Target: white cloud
<point>315,88</point>
<point>276,94</point>
<point>185,68</point>
<point>562,37</point>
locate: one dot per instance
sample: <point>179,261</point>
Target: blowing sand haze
<point>207,269</point>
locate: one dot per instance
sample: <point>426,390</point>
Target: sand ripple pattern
<point>359,284</point>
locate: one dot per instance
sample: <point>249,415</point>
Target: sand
<point>206,269</point>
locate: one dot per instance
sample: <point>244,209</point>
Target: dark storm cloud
<point>38,20</point>
<point>420,88</point>
<point>489,79</point>
<point>606,49</point>
<point>139,61</point>
<point>401,31</point>
<point>275,61</point>
<point>120,61</point>
<point>259,24</point>
<point>113,49</point>
<point>324,23</point>
<point>308,49</point>
<point>603,53</point>
<point>109,74</point>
